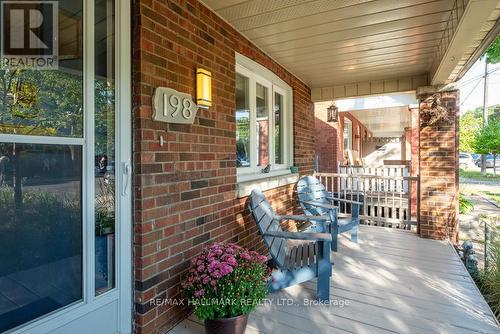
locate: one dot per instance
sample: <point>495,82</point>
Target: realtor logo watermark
<point>29,31</point>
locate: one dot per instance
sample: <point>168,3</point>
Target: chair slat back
<point>310,188</point>
<point>265,218</point>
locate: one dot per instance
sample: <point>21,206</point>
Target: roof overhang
<point>363,47</point>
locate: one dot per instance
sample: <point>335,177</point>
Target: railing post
<point>409,202</point>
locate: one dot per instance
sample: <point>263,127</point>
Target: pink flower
<point>245,256</point>
<point>213,265</point>
<point>231,261</point>
<point>226,269</point>
<point>199,293</point>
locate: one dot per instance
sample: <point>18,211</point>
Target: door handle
<point>127,174</point>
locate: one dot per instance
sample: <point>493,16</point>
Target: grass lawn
<point>477,176</point>
<point>492,195</point>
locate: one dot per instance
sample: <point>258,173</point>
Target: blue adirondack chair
<point>315,200</point>
<point>293,264</point>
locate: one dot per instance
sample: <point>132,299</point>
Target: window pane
<point>262,126</point>
<point>40,230</point>
<point>50,102</point>
<point>104,146</point>
<point>278,128</point>
<point>242,121</point>
<point>347,134</point>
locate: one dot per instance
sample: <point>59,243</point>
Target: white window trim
<point>257,73</point>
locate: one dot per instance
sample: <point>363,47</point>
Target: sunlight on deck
<point>391,282</point>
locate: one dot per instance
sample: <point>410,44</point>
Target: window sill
<point>275,179</point>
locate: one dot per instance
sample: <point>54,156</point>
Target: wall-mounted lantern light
<point>332,113</point>
<point>203,88</point>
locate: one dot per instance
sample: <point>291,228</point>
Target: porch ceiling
<point>384,122</point>
<point>329,43</point>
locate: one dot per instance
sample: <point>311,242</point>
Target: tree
<point>488,140</point>
<point>50,103</point>
<point>470,125</point>
<point>493,52</point>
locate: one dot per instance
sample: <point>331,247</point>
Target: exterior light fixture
<point>332,113</point>
<point>203,88</point>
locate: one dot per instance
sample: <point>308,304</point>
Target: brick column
<point>414,156</point>
<point>438,153</point>
<point>326,140</point>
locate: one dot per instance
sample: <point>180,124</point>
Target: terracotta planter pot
<point>236,325</point>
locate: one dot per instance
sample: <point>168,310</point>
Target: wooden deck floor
<point>391,282</point>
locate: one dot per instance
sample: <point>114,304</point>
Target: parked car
<point>490,162</point>
<point>466,161</point>
<point>477,158</point>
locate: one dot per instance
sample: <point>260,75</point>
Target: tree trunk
<point>18,194</point>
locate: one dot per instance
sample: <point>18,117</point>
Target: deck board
<point>393,282</point>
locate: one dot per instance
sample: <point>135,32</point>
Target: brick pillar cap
<point>437,88</point>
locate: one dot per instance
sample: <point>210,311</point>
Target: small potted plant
<point>224,284</point>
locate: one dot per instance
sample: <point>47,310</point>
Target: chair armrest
<point>321,204</point>
<point>302,218</point>
<point>343,200</point>
<point>299,235</point>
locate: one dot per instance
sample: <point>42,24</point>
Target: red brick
<point>185,190</point>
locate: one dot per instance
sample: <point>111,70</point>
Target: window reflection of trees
<point>45,103</point>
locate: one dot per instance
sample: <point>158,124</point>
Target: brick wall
<point>184,191</point>
<point>439,171</point>
<point>329,138</point>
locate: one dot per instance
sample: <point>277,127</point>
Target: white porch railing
<point>389,195</point>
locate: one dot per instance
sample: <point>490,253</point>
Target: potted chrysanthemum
<point>224,284</point>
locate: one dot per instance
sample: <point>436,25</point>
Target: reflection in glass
<point>48,103</point>
<point>262,125</point>
<point>278,128</point>
<point>104,146</point>
<point>242,121</point>
<point>40,230</point>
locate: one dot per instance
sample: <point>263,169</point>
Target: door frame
<point>122,293</point>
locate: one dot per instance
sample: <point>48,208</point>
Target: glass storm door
<point>65,202</point>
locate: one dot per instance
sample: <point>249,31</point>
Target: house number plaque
<point>171,106</point>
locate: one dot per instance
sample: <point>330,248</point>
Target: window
<point>358,138</point>
<point>347,134</point>
<point>263,120</point>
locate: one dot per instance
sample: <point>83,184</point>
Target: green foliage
<point>243,127</point>
<point>488,280</point>
<point>492,195</point>
<point>225,281</point>
<point>493,52</point>
<point>470,125</point>
<point>488,139</point>
<point>464,205</point>
<point>50,103</point>
<point>44,100</point>
<point>477,176</point>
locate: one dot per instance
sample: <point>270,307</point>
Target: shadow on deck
<point>391,282</point>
